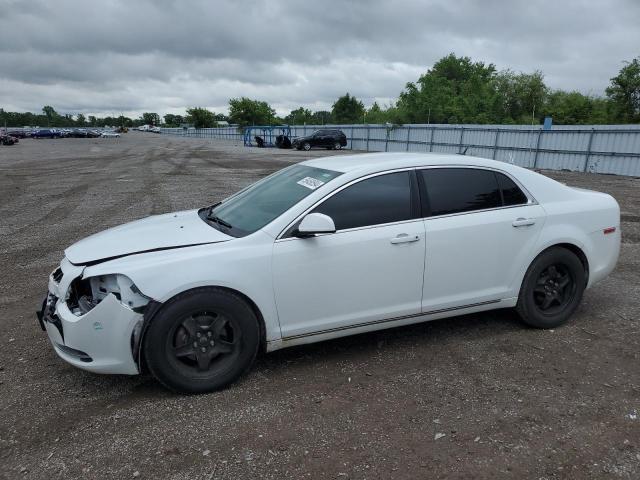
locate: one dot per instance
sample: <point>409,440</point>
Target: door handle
<point>405,238</point>
<point>523,222</point>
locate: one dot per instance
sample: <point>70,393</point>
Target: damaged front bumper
<point>103,340</point>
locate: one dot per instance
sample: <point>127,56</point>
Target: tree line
<point>455,90</point>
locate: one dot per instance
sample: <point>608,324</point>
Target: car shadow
<point>446,330</point>
<point>357,348</point>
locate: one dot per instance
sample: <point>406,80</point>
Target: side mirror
<point>313,224</point>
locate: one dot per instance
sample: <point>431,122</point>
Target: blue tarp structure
<point>267,133</point>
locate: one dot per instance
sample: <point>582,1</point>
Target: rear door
<point>325,138</point>
<point>480,230</point>
<point>316,138</point>
<point>333,137</point>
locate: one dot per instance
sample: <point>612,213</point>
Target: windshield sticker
<point>310,183</point>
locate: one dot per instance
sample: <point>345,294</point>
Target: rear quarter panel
<point>580,220</point>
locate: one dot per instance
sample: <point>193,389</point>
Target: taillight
<point>609,230</point>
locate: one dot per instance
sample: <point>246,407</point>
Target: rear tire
<point>552,288</point>
<point>201,340</point>
<point>306,146</point>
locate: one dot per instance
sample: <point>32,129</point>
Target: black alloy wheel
<point>204,342</point>
<point>201,340</point>
<point>552,288</point>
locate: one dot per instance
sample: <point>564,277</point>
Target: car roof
<point>377,162</point>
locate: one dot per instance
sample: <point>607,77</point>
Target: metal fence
<point>613,149</point>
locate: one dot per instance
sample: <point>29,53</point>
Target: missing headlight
<point>85,294</point>
<point>80,298</point>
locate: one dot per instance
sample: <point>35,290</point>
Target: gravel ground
<point>478,396</point>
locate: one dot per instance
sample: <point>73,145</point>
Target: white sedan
<point>109,134</point>
<point>322,249</point>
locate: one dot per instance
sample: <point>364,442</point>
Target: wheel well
<point>153,307</point>
<point>577,251</point>
<point>256,311</point>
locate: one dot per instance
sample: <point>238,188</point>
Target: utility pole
<point>533,113</point>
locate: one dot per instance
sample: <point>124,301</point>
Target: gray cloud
<point>118,56</point>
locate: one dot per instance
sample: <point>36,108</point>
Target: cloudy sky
<point>108,56</point>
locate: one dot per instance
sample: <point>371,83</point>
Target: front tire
<point>201,340</point>
<point>306,146</point>
<point>337,146</point>
<point>552,288</point>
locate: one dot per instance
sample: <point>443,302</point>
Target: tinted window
<point>377,200</point>
<point>511,193</point>
<point>454,190</point>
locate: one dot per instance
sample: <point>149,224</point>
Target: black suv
<point>325,138</point>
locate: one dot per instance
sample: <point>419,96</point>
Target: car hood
<point>159,232</point>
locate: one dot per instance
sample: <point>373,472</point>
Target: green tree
<point>299,116</point>
<point>518,98</point>
<point>321,117</point>
<point>377,114</point>
<point>172,120</point>
<point>245,111</point>
<point>150,118</point>
<point>575,108</point>
<point>81,120</point>
<point>624,92</point>
<point>454,90</point>
<point>347,109</point>
<point>49,111</point>
<point>123,121</point>
<point>201,117</point>
<point>51,115</point>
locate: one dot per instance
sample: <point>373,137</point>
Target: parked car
<point>46,133</point>
<point>93,134</point>
<point>323,249</point>
<point>109,134</point>
<point>18,133</point>
<point>7,139</point>
<point>155,130</point>
<point>325,138</point>
<point>78,133</point>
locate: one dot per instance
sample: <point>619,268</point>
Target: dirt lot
<point>512,402</point>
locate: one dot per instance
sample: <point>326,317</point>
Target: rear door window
<point>511,193</point>
<point>455,190</point>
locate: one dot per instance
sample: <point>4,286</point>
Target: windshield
<point>257,205</point>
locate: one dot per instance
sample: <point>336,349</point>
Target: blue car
<point>46,133</point>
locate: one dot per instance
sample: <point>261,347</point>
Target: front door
<point>369,271</point>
